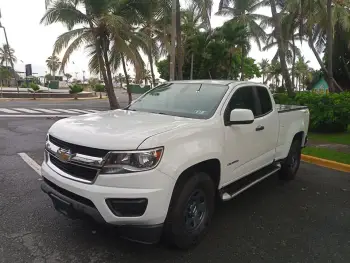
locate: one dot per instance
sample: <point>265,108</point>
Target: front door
<point>240,140</point>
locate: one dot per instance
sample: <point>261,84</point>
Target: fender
<point>187,146</point>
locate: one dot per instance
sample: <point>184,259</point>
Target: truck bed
<point>287,108</point>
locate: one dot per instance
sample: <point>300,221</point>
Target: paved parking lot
<point>307,220</point>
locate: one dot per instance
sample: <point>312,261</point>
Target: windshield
<point>189,100</point>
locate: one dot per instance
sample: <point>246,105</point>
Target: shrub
<point>99,88</point>
<point>328,112</point>
<point>75,89</point>
<point>34,88</point>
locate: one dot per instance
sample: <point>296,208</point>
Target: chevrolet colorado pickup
<point>156,167</point>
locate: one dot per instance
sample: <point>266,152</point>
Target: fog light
<point>127,207</point>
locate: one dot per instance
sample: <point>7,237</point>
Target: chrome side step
<point>234,189</point>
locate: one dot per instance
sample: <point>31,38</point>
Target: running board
<point>237,187</point>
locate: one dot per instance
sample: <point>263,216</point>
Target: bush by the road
<point>75,89</point>
<point>328,112</point>
<point>99,88</point>
<point>33,88</point>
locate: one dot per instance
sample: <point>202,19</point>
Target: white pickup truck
<point>155,168</point>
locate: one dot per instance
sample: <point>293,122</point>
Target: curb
<point>51,99</point>
<point>326,163</point>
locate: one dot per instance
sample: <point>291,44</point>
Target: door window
<point>265,100</point>
<point>243,98</point>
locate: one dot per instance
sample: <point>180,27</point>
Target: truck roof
<point>212,81</point>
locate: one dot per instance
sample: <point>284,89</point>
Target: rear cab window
<point>265,100</point>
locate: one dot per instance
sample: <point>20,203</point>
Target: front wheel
<point>291,165</point>
<point>191,211</point>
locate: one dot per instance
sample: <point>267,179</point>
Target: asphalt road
<point>307,220</point>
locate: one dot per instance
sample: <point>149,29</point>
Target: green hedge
<point>328,112</point>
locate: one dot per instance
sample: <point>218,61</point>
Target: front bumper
<point>78,200</point>
<point>66,203</point>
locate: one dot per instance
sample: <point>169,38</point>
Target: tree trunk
<point>150,58</point>
<point>114,104</point>
<point>126,79</point>
<point>330,45</point>
<point>294,57</point>
<point>324,69</point>
<point>242,65</point>
<point>179,55</point>
<point>263,75</point>
<point>100,95</point>
<point>281,47</point>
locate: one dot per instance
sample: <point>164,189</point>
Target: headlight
<point>132,161</point>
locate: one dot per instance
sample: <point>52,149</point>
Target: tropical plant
<point>5,75</point>
<point>317,21</point>
<point>68,76</point>
<point>302,72</point>
<point>33,88</point>
<point>243,12</point>
<point>75,89</point>
<point>53,63</point>
<point>99,88</point>
<point>264,66</point>
<point>7,55</point>
<point>282,49</point>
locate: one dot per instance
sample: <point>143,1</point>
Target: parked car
<point>156,167</point>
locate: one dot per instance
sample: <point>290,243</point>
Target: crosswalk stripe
<point>83,111</point>
<point>65,111</point>
<point>46,110</point>
<point>26,110</point>
<point>93,111</point>
<point>8,110</point>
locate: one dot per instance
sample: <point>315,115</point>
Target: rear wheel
<point>291,165</point>
<point>191,211</point>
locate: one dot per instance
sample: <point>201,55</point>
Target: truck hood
<point>115,130</point>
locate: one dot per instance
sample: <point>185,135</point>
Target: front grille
<point>81,172</point>
<point>70,195</point>
<point>78,148</point>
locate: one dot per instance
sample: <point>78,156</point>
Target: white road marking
<point>26,110</point>
<point>35,116</point>
<point>79,110</point>
<point>8,110</point>
<point>93,110</point>
<point>66,111</point>
<point>33,164</point>
<point>46,110</point>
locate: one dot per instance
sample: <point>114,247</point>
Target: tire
<point>291,165</point>
<point>190,212</point>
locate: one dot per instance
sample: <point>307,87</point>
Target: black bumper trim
<point>148,234</point>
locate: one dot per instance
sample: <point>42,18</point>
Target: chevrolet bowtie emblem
<point>64,155</point>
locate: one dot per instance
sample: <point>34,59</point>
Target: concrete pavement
<point>307,220</point>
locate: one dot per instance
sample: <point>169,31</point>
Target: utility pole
<point>173,40</point>
<point>9,51</point>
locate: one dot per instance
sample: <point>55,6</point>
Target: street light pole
<point>9,51</point>
<point>173,39</point>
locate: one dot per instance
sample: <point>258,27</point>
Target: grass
<point>328,154</point>
<point>339,138</point>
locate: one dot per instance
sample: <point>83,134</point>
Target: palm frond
<point>64,12</point>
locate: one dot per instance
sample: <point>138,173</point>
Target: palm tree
<point>7,56</point>
<point>243,12</point>
<point>97,23</point>
<point>318,18</point>
<point>53,63</point>
<point>68,76</point>
<point>264,65</point>
<point>277,22</point>
<point>274,72</point>
<point>301,71</point>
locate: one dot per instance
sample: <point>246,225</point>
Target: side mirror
<point>241,116</point>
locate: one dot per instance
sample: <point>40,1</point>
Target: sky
<point>33,42</point>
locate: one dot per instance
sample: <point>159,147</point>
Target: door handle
<point>260,128</point>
